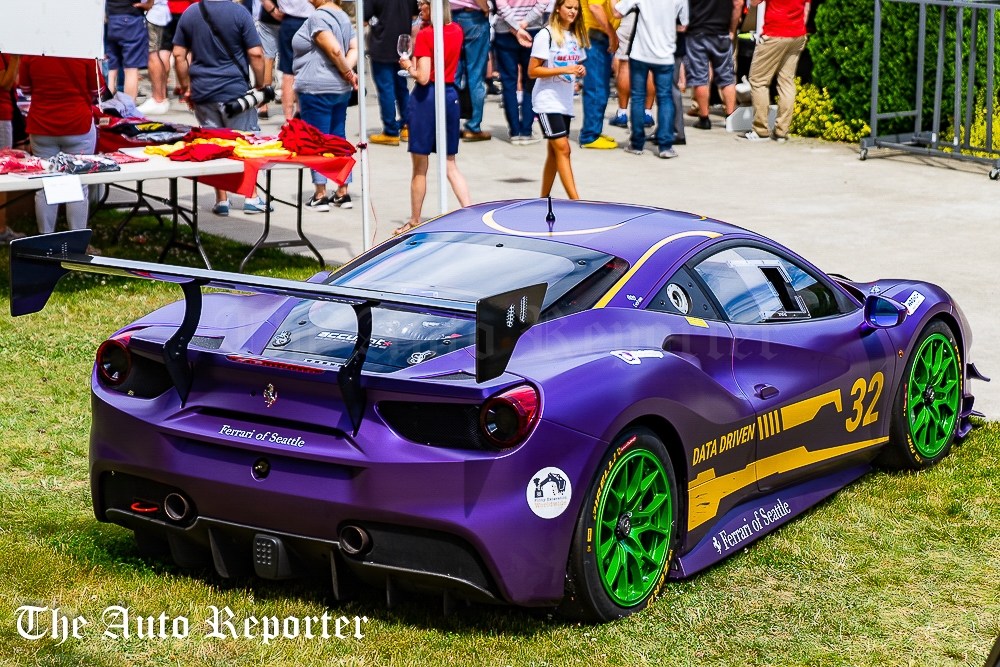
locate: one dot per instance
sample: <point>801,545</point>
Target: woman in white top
<point>556,54</point>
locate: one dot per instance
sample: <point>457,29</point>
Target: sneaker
<point>703,123</point>
<point>752,136</point>
<point>321,204</point>
<point>629,148</point>
<point>221,208</point>
<point>528,139</point>
<point>404,134</point>
<point>151,106</point>
<point>780,140</point>
<point>602,142</point>
<point>667,153</point>
<point>620,119</point>
<point>8,235</point>
<point>515,140</point>
<point>342,202</point>
<point>254,205</point>
<point>649,122</point>
<point>383,139</point>
<point>482,135</point>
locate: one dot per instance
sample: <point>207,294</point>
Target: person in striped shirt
<point>518,21</point>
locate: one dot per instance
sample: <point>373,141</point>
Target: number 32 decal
<point>860,389</point>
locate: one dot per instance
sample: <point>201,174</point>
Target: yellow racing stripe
<point>706,491</point>
<point>645,257</point>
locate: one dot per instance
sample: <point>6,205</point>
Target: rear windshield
<point>447,265</point>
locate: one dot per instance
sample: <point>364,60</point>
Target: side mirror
<point>883,313</point>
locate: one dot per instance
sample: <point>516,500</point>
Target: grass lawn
<point>897,569</point>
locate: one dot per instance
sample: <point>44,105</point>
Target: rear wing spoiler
<point>38,263</point>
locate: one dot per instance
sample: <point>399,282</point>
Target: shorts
<point>420,118</point>
<point>211,114</point>
<point>155,36</point>
<point>625,31</point>
<point>169,30</point>
<point>705,49</point>
<point>268,39</point>
<point>127,42</point>
<point>289,26</point>
<point>554,125</point>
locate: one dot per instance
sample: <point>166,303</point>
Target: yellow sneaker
<point>603,142</point>
<point>404,134</point>
<point>383,139</point>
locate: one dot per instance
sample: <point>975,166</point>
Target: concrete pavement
<point>886,217</point>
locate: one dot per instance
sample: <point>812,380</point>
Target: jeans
<point>663,80</point>
<point>596,88</point>
<point>393,96</point>
<point>76,212</point>
<point>476,27</point>
<point>509,55</point>
<point>328,114</point>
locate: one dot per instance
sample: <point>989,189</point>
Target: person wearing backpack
<point>326,51</point>
<point>223,43</point>
<point>556,54</point>
<point>653,52</point>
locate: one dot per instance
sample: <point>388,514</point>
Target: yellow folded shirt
<point>164,149</point>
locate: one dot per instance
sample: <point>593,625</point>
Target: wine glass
<point>404,47</point>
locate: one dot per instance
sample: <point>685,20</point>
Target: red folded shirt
<point>201,153</point>
<point>302,138</point>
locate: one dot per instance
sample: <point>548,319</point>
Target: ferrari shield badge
<point>270,395</point>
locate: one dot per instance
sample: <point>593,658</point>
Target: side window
<point>683,295</point>
<point>754,285</point>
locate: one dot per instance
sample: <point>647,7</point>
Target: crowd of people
<point>547,53</point>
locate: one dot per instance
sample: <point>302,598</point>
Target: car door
<point>721,464</point>
<point>816,375</point>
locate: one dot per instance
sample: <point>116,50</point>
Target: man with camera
<point>223,44</point>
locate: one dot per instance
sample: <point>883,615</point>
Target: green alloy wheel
<point>626,531</point>
<point>933,395</point>
<point>633,528</point>
<point>927,405</point>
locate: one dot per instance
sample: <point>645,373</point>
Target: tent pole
<point>440,121</point>
<point>363,120</point>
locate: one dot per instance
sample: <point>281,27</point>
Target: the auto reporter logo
<point>549,492</point>
<point>122,623</point>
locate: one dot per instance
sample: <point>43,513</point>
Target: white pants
<point>47,147</point>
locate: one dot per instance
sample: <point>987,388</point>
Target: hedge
<point>841,51</point>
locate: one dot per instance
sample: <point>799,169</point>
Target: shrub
<point>815,116</point>
<point>841,51</point>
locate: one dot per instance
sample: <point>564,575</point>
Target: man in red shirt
<point>777,55</point>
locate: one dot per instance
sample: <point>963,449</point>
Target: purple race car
<point>679,388</point>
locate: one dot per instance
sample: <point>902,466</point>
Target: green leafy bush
<point>841,51</point>
<point>815,116</point>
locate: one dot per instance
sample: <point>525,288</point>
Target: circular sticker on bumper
<point>549,492</point>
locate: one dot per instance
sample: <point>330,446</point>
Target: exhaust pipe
<point>355,540</point>
<point>176,507</point>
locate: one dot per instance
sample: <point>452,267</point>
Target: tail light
<point>506,419</point>
<point>114,361</point>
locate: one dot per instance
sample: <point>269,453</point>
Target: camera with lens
<point>251,100</point>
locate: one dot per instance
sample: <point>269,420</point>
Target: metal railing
<point>928,142</point>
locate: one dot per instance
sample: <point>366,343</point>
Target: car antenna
<point>550,217</point>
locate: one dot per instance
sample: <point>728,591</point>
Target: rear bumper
<point>424,507</point>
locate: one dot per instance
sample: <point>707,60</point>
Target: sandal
<point>404,229</point>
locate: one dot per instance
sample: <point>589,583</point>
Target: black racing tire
<point>902,452</point>
<point>587,598</point>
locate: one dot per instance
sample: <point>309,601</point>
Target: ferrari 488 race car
<point>519,403</point>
